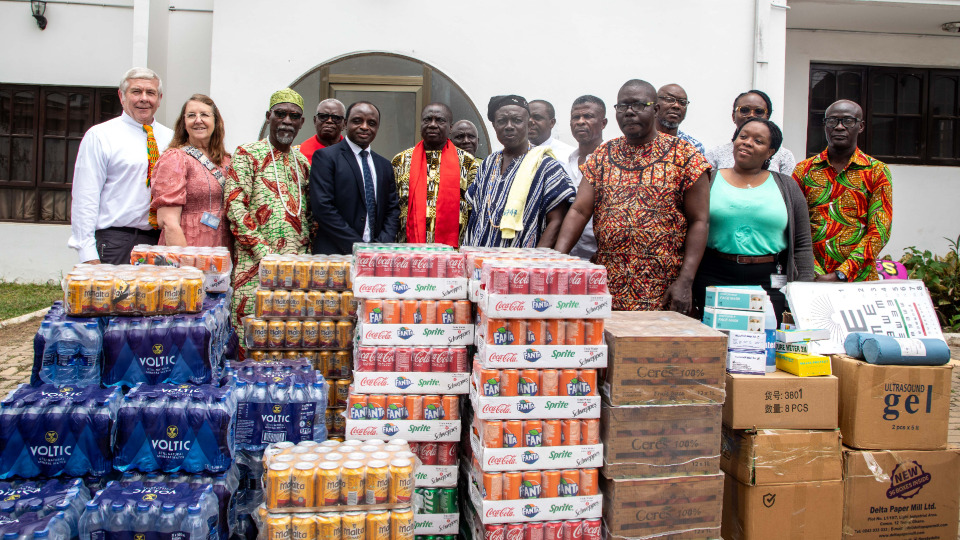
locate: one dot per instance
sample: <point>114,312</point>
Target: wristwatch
<point>840,275</point>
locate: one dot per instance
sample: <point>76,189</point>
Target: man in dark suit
<point>353,194</point>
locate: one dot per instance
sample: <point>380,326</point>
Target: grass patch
<point>21,298</point>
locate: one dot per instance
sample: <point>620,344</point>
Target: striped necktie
<point>153,153</point>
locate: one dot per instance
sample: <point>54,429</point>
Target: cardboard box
<point>802,347</point>
<point>893,407</point>
<point>741,340</point>
<point>527,510</point>
<point>747,362</point>
<point>436,476</point>
<point>663,507</point>
<point>901,494</point>
<point>536,458</point>
<point>796,335</point>
<point>421,288</point>
<point>533,407</point>
<point>803,510</point>
<point>781,456</point>
<point>780,400</point>
<point>411,430</point>
<point>660,440</point>
<point>434,524</point>
<point>410,382</point>
<point>662,357</point>
<point>541,356</point>
<point>546,306</point>
<point>749,298</point>
<point>733,319</point>
<point>447,335</point>
<point>803,365</point>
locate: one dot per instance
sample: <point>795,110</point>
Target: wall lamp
<point>37,8</point>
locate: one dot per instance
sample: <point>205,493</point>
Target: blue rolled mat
<point>853,343</point>
<point>886,350</point>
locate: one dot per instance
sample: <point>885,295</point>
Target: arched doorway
<point>399,85</point>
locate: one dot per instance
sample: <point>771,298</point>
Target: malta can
<point>401,524</point>
<point>278,527</point>
<point>401,481</point>
<point>302,485</point>
<point>378,483</point>
<point>279,477</point>
<point>328,484</point>
<point>352,488</point>
<point>378,525</point>
<point>302,527</point>
<point>353,526</point>
<point>329,526</point>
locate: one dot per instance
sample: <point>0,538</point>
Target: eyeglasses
<point>670,100</point>
<point>847,121</point>
<point>744,111</point>
<point>283,114</point>
<point>323,117</point>
<point>637,106</point>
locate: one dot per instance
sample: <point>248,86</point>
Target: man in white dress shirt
<point>588,117</point>
<point>543,117</point>
<point>111,180</point>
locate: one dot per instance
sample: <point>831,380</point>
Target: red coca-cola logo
<point>576,278</point>
<point>401,262</point>
<point>503,358</point>
<point>591,532</point>
<point>373,381</point>
<point>510,306</point>
<point>503,408</point>
<point>385,261</point>
<point>521,278</point>
<point>514,533</point>
<point>420,263</point>
<point>494,533</point>
<point>358,431</point>
<point>598,278</point>
<point>502,460</point>
<point>421,356</point>
<point>366,260</point>
<point>499,512</point>
<point>377,334</point>
<point>577,531</point>
<point>378,288</point>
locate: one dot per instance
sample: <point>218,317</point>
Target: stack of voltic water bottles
<point>48,509</point>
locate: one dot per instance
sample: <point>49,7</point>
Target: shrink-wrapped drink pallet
<point>172,428</point>
<point>214,262</point>
<point>124,509</point>
<point>68,350</point>
<point>54,506</point>
<point>97,290</point>
<point>280,401</point>
<point>164,349</point>
<point>49,431</point>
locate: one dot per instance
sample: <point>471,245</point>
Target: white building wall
<point>924,197</point>
<point>556,51</point>
<point>87,45</point>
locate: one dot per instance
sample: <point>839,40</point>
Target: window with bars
<point>40,132</point>
<point>912,114</point>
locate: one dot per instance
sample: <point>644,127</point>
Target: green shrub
<point>941,274</point>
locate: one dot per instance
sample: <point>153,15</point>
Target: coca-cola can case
<point>420,271</point>
<point>545,289</point>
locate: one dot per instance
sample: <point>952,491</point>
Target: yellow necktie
<point>153,153</point>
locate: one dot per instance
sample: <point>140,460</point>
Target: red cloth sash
<point>448,197</point>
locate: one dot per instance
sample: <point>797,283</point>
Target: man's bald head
<point>465,136</point>
<point>640,85</point>
<point>842,123</point>
<point>672,99</point>
<point>845,106</point>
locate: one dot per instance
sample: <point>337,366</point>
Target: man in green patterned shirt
<point>432,178</point>
<point>265,200</point>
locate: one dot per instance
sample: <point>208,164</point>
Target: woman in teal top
<point>759,221</point>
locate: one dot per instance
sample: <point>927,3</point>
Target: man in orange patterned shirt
<point>850,199</point>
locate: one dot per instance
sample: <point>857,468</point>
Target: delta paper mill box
<point>901,494</point>
<point>801,510</point>
<point>673,507</point>
<point>659,357</point>
<point>781,456</point>
<point>660,440</point>
<point>780,400</point>
<point>893,407</point>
